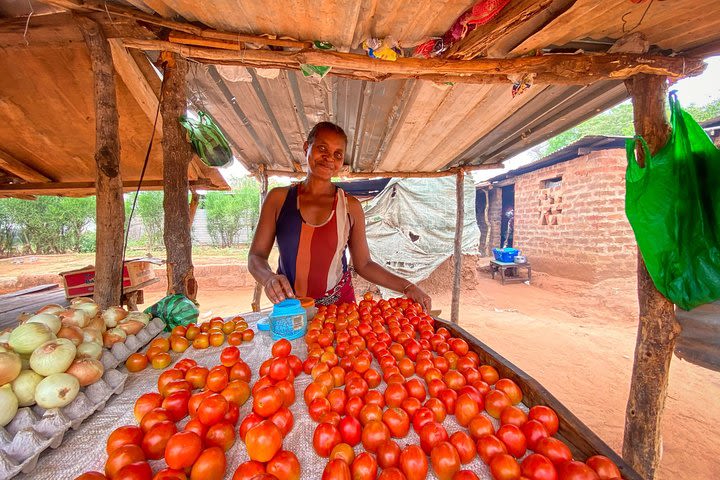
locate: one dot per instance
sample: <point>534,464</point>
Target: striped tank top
<point>312,257</point>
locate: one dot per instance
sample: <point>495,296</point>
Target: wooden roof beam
<point>14,166</point>
<point>348,174</point>
<point>84,188</point>
<point>580,68</point>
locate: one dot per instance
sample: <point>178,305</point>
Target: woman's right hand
<point>277,288</point>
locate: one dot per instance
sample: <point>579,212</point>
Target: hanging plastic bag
<point>174,310</point>
<point>673,205</point>
<point>207,140</point>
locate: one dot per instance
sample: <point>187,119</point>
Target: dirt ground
<point>575,338</point>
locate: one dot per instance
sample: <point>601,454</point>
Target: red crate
<point>81,282</point>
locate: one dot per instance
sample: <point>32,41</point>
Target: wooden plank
<point>457,250</point>
<point>348,174</point>
<point>84,188</point>
<point>582,441</point>
<point>14,166</point>
<point>27,291</point>
<point>29,303</point>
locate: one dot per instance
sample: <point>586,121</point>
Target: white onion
<point>86,370</point>
<point>98,324</point>
<point>91,308</point>
<point>57,390</point>
<point>10,366</point>
<point>52,308</point>
<point>54,356</point>
<point>113,336</point>
<point>72,333</point>
<point>28,336</point>
<point>113,315</point>
<point>92,335</point>
<point>79,300</point>
<point>74,316</point>
<point>8,405</point>
<point>24,387</point>
<point>139,317</point>
<point>48,319</point>
<point>89,350</point>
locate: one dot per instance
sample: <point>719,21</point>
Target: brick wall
<point>577,229</point>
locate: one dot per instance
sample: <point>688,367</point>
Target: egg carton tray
<point>35,429</point>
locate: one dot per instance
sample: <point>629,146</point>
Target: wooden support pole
<point>486,243</point>
<point>110,209</point>
<point>177,155</point>
<point>658,328</point>
<point>257,294</point>
<point>457,254</point>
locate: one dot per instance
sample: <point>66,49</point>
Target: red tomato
<point>445,460</point>
<point>210,465</point>
<point>369,413</point>
<point>395,393</point>
<point>488,446</point>
<point>438,409</point>
<point>325,438</point>
<point>538,467</point>
<point>170,474</point>
<point>555,450</point>
<point>240,371</point>
<point>92,475</point>
<point>267,401</point>
<point>169,376</point>
<point>392,473</point>
<point>353,406</point>
<point>604,467</point>
<point>364,467</point>
<point>513,439</point>
<point>374,433</point>
<point>279,369</point>
<point>510,389</point>
<point>248,422</point>
<point>284,465</point>
<point>388,454</point>
<point>145,403</point>
<point>263,441</point>
<point>350,430</point>
<point>134,471</point>
<point>466,408</point>
<point>489,374</point>
<point>195,401</point>
<point>574,470</point>
<point>479,426</point>
<point>432,434</point>
<point>281,348</point>
<point>176,405</point>
<point>416,389</point>
<point>464,446</point>
<point>197,376</point>
<point>514,416</point>
<point>546,416</point>
<point>182,449</point>
<point>217,379</point>
<point>212,409</point>
<point>126,435</point>
<point>373,397</point>
<point>449,398</point>
<point>156,439</point>
<point>336,470</point>
<point>504,467</point>
<point>397,421</point>
<point>122,456</point>
<point>318,407</point>
<point>422,416</point>
<point>495,402</point>
<point>229,356</point>
<point>337,401</point>
<point>414,463</point>
<point>284,420</point>
<point>220,435</point>
<point>534,431</point>
<point>154,417</point>
<point>465,475</point>
<point>195,426</point>
<point>248,470</point>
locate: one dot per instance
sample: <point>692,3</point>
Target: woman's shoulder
<point>278,194</point>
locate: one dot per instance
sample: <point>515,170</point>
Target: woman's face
<point>326,154</point>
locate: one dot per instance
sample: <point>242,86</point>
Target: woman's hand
<point>277,288</point>
<point>413,292</point>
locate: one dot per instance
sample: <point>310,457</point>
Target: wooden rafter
<point>347,174</point>
<point>81,188</point>
<point>19,169</point>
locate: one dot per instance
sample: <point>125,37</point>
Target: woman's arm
<point>277,287</point>
<point>372,271</point>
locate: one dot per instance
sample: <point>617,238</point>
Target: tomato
<point>145,403</point>
<point>220,435</point>
<point>413,463</point>
<point>337,401</point>
<point>374,397</point>
<point>369,413</point>
<point>248,335</point>
<point>217,379</point>
<point>201,342</point>
<point>466,408</point>
<point>510,389</point>
<point>489,374</point>
<point>176,405</point>
<point>191,332</point>
<point>284,465</point>
<point>534,431</point>
<point>495,402</point>
<point>604,467</point>
<point>374,433</point>
<point>210,465</point>
<point>248,422</point>
<point>555,450</point>
<point>538,467</point>
<point>464,445</point>
<point>344,452</point>
<point>411,405</point>
<point>438,409</point>
<point>355,387</point>
<point>397,421</point>
<point>154,417</point>
<point>504,467</point>
<point>197,376</point>
<point>217,338</point>
<point>372,377</point>
<point>237,392</point>
<point>514,416</point>
<point>388,454</point>
<point>431,434</point>
<point>284,420</point>
<point>156,438</point>
<point>448,397</point>
<point>235,338</point>
<point>325,437</point>
<point>350,430</point>
<point>318,407</point>
<point>182,449</point>
<point>212,409</point>
<point>336,470</point>
<point>546,416</point>
<point>364,467</point>
<point>279,369</point>
<point>513,439</point>
<point>134,471</point>
<point>195,426</point>
<point>465,475</point>
<point>161,360</point>
<point>445,460</point>
<point>422,416</point>
<point>488,446</point>
<point>574,470</point>
<point>170,474</point>
<point>263,441</point>
<point>92,475</point>
<point>240,371</point>
<point>248,470</point>
<point>177,386</point>
<point>228,327</point>
<point>479,426</point>
<point>392,473</point>
<point>454,379</point>
<point>353,406</point>
<point>126,435</point>
<point>122,456</point>
<point>179,343</point>
<point>229,356</point>
<point>281,348</point>
<point>136,362</point>
<point>232,415</point>
<point>267,401</point>
<point>195,401</point>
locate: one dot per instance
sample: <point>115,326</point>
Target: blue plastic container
<point>288,320</point>
<point>506,255</point>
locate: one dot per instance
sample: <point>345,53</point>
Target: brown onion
<point>10,366</point>
<point>131,327</point>
<point>90,308</point>
<point>86,370</point>
<point>113,315</point>
<point>72,333</point>
<point>78,300</point>
<point>97,323</point>
<point>113,336</point>
<point>74,316</point>
<point>92,335</point>
<point>89,350</point>
<point>53,308</point>
<point>139,317</point>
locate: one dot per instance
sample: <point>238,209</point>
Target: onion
<point>48,319</point>
<point>5,335</point>
<point>139,317</point>
<point>22,318</point>
<point>89,350</point>
<point>113,336</point>
<point>54,356</point>
<point>131,327</point>
<point>86,370</point>
<point>92,335</point>
<point>113,315</point>
<point>52,308</point>
<point>25,362</point>
<point>57,390</point>
<point>91,308</point>
<point>97,323</point>
<point>28,336</point>
<point>79,300</point>
<point>10,366</point>
<point>74,316</point>
<point>24,387</point>
<point>72,333</point>
<point>8,405</point>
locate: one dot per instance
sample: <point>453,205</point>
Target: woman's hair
<point>325,126</point>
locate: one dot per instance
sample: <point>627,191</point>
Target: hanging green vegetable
<point>207,140</point>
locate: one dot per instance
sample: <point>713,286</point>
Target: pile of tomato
<point>429,374</point>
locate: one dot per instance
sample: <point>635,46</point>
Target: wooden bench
<point>503,267</point>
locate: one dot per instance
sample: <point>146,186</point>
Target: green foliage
<point>149,210</point>
<point>228,213</point>
<point>7,229</point>
<point>87,242</point>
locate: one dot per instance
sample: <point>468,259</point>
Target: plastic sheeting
<point>411,225</point>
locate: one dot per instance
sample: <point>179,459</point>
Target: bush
<point>87,242</point>
<point>228,213</point>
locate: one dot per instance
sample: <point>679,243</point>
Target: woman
<point>314,222</point>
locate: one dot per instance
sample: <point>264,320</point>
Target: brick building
<point>569,211</point>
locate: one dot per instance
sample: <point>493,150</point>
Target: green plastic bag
<point>673,205</point>
<point>174,310</point>
<point>207,140</point>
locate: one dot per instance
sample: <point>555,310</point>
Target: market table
<point>84,449</point>
<point>503,267</point>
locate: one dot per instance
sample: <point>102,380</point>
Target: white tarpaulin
<point>411,225</point>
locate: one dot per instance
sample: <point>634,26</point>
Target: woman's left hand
<point>413,292</point>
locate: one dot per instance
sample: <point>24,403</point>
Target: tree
<point>7,229</point>
<point>228,213</point>
<point>149,209</point>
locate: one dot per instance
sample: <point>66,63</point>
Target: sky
<point>699,90</point>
